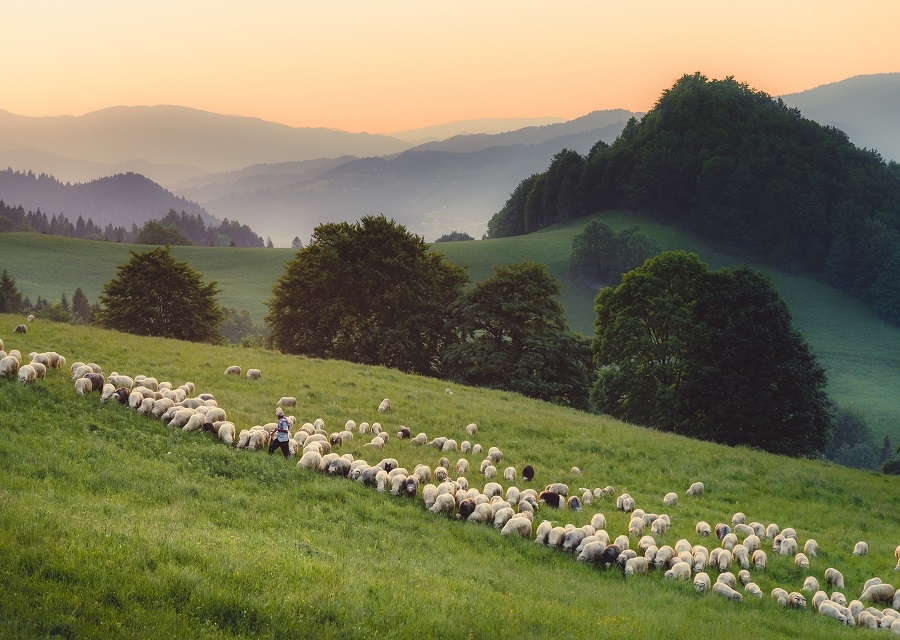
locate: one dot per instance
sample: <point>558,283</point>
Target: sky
<point>394,65</point>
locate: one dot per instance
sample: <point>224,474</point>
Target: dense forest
<point>173,228</point>
<point>742,169</point>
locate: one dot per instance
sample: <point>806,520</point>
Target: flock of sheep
<point>737,546</point>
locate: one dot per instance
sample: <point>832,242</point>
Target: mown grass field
<point>861,353</point>
<point>114,526</point>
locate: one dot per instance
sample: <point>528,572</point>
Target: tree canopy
<point>735,166</point>
<point>710,355</point>
<point>155,295</point>
<point>368,292</point>
<point>454,236</point>
<point>10,297</point>
<point>600,256</point>
<point>513,335</point>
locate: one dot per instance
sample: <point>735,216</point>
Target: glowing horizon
<point>383,68</point>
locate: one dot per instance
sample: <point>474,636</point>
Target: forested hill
<point>737,167</point>
<point>121,200</point>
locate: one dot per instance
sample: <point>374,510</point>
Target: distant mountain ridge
<point>866,108</point>
<point>172,135</point>
<point>120,200</point>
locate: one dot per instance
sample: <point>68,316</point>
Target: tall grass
<point>113,526</point>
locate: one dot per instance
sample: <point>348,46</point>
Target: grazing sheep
<point>741,556</point>
<point>403,433</point>
<point>519,525</point>
<point>759,559</point>
<point>636,566</point>
<point>472,429</point>
<point>861,548</point>
<point>810,584</point>
<point>84,386</point>
<point>495,455</point>
<point>724,591</point>
<point>309,460</point>
<point>788,547</point>
<point>575,471</point>
<point>286,401</point>
<point>528,476</point>
<point>865,620</point>
<point>509,474</point>
<point>598,521</point>
<point>780,596</point>
<point>801,561</point>
<point>490,472</point>
<point>233,370</point>
<point>20,329</point>
<point>729,541</point>
<point>670,499</point>
<point>696,489</point>
<point>492,489</point>
<point>679,571</point>
<point>829,610</point>
<point>462,466</point>
<point>9,366</point>
<point>811,548</point>
<point>420,438</point>
<point>551,499</point>
<point>226,432</point>
<point>574,503</point>
<point>881,592</point>
<point>543,530</point>
<point>752,543</point>
<point>701,582</point>
<point>838,597</point>
<point>384,406</point>
<point>107,392</point>
<point>26,374</point>
<point>254,374</point>
<point>444,503</point>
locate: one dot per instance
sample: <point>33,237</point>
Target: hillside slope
<point>125,528</point>
<point>860,352</point>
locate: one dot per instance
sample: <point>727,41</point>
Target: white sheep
<point>26,374</point>
<point>444,503</point>
<point>598,521</point>
<point>519,524</point>
<point>679,571</point>
<point>703,529</point>
<point>233,370</point>
<point>801,561</point>
<point>462,466</point>
<point>9,366</point>
<point>811,548</point>
<point>509,474</point>
<point>254,374</point>
<point>84,386</point>
<point>759,559</point>
<point>636,527</point>
<point>796,600</point>
<point>636,566</point>
<point>670,499</point>
<point>810,584</point>
<point>696,489</point>
<point>724,591</point>
<point>490,472</point>
<point>40,370</point>
<point>286,401</point>
<point>741,556</point>
<point>834,578</point>
<point>384,406</point>
<point>226,432</point>
<point>881,592</point>
<point>701,582</point>
<point>861,548</point>
<point>420,438</point>
<point>472,429</point>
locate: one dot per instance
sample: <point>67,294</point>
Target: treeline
<point>174,228</point>
<point>739,168</point>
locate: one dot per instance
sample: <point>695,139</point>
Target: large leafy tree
<point>155,295</point>
<point>513,335</point>
<point>600,256</point>
<point>711,355</point>
<point>368,292</point>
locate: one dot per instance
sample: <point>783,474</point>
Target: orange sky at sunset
<point>381,67</point>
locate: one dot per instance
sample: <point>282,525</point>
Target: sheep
<point>659,527</point>
<point>829,610</point>
<point>679,571</point>
<point>233,370</point>
<point>472,429</point>
<point>42,358</point>
<point>810,584</point>
<point>107,392</point>
<point>254,374</point>
<point>20,329</point>
<point>286,401</point>
<point>519,524</point>
<point>543,530</point>
<point>780,596</point>
<point>9,366</point>
<point>495,455</point>
<point>476,449</point>
<point>759,559</point>
<point>462,466</point>
<point>420,438</point>
<point>701,582</point>
<point>696,489</point>
<point>753,589</point>
<point>444,503</point>
<point>84,386</point>
<point>598,521</point>
<point>551,499</point>
<point>636,566</point>
<point>384,406</point>
<point>788,547</point>
<point>834,578</point>
<point>880,592</point>
<point>502,516</point>
<point>226,432</point>
<point>528,476</point>
<point>670,499</point>
<point>492,489</point>
<point>490,472</point>
<point>796,600</point>
<point>724,591</point>
<point>729,541</point>
<point>861,548</point>
<point>741,556</point>
<point>811,548</point>
<point>509,474</point>
<point>27,374</point>
<point>663,555</point>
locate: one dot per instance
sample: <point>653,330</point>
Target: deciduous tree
<point>513,335</point>
<point>155,295</point>
<point>368,292</point>
<point>710,355</point>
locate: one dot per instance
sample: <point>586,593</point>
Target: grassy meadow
<point>114,526</point>
<point>861,353</point>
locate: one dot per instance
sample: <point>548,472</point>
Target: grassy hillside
<point>861,353</point>
<point>112,525</point>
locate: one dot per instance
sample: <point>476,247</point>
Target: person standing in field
<point>282,434</point>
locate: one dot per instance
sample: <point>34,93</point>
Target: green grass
<point>113,526</point>
<point>861,353</point>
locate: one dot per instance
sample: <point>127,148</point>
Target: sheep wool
<point>724,591</point>
<point>861,548</point>
<point>233,370</point>
<point>384,406</point>
<point>696,489</point>
<point>834,578</point>
<point>701,582</point>
<point>254,374</point>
